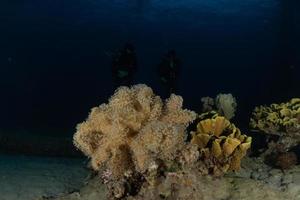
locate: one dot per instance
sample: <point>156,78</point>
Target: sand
<point>31,177</point>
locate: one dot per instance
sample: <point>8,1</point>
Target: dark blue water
<point>54,67</point>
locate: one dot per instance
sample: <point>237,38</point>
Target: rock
<point>287,179</point>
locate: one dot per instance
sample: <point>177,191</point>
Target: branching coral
<point>221,144</point>
<point>133,129</point>
<point>282,120</point>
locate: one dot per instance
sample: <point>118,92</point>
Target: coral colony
<point>138,144</point>
<point>281,120</point>
<point>221,144</point>
<point>144,147</point>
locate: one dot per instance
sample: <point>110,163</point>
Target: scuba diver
<point>124,66</point>
<point>168,71</point>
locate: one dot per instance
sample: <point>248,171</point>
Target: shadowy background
<point>54,65</point>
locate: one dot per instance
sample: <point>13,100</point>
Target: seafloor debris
<point>282,120</point>
<point>286,160</point>
<point>137,140</point>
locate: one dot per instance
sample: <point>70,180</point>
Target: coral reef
<point>133,132</point>
<point>282,120</point>
<point>224,104</point>
<point>138,143</point>
<point>140,149</point>
<point>133,116</point>
<point>221,144</point>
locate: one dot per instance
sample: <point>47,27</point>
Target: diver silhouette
<point>124,65</point>
<point>168,71</point>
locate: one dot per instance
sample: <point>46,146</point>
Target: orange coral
<point>157,140</point>
<point>134,126</point>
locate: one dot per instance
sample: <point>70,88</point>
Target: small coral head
<point>221,143</point>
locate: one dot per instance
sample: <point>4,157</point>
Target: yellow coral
<point>295,101</point>
<point>221,143</point>
<point>285,112</point>
<point>279,119</point>
<point>213,126</point>
<point>276,117</point>
<point>112,131</point>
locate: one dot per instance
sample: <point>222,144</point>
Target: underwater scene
<point>150,100</point>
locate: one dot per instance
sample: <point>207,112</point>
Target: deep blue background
<point>54,67</point>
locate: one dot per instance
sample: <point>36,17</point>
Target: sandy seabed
<point>31,177</point>
<point>255,181</point>
<point>44,178</point>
